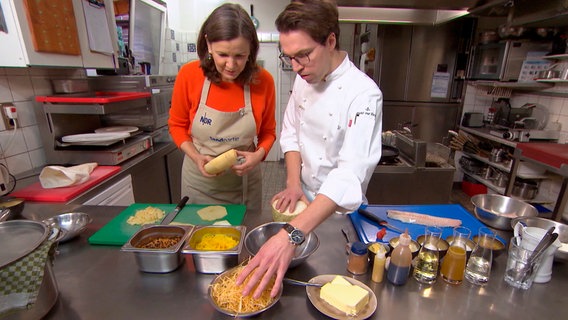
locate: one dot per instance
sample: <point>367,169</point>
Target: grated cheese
<point>146,216</point>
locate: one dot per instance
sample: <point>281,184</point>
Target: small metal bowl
<point>230,273</point>
<point>373,247</point>
<point>70,224</point>
<point>157,260</point>
<point>443,245</point>
<point>259,235</point>
<point>215,261</point>
<point>414,246</point>
<point>14,207</point>
<point>469,245</point>
<point>496,246</point>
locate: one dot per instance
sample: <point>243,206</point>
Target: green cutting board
<point>117,232</point>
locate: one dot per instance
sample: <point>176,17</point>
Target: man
<point>331,134</point>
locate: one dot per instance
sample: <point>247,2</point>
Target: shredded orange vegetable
<point>216,241</point>
<point>227,295</point>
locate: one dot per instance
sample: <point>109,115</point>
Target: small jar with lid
<point>358,261</point>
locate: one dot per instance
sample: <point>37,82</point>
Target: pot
<point>19,239</point>
<point>388,154</point>
<point>525,189</point>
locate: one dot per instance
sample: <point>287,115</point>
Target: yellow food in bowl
<point>216,242</point>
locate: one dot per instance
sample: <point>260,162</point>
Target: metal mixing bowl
<point>71,224</point>
<point>259,235</point>
<point>11,208</point>
<point>497,211</point>
<point>560,228</point>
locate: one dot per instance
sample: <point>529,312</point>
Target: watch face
<point>297,237</point>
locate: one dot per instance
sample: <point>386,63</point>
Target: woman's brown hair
<point>318,18</point>
<point>227,22</point>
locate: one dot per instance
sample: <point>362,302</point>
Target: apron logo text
<point>224,140</point>
<point>205,120</point>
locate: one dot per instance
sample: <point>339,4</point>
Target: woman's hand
<point>272,259</point>
<point>247,161</point>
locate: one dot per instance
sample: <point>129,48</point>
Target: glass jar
<point>358,260</point>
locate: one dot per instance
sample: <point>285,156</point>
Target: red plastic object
<point>381,234</point>
<point>472,189</point>
<point>552,154</point>
<point>36,192</point>
<point>99,97</point>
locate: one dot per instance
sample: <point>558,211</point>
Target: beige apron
<point>213,133</point>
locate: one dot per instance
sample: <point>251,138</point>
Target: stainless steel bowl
<point>259,235</point>
<point>159,260</point>
<point>560,228</point>
<point>71,224</point>
<point>215,261</point>
<point>230,274</point>
<point>11,208</point>
<point>497,211</point>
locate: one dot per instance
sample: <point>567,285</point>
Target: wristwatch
<point>296,235</point>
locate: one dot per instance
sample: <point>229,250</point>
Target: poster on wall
<point>440,85</point>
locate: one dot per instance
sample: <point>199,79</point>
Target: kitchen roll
<point>58,176</point>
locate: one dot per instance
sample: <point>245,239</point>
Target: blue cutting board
<point>367,230</point>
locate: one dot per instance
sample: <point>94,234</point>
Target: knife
<point>378,220</point>
<point>170,217</point>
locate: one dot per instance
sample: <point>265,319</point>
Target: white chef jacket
<point>336,126</point>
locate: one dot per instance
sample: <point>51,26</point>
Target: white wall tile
<point>42,86</point>
<point>12,142</point>
<point>37,158</point>
<point>32,137</point>
<point>5,92</point>
<point>19,163</point>
<point>21,87</point>
<point>26,113</point>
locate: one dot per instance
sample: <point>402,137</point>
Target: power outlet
<point>8,123</point>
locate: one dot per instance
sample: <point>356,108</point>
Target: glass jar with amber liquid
<point>453,264</point>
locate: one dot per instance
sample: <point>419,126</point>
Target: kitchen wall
<point>21,149</point>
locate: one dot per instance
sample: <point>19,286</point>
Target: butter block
<point>344,296</point>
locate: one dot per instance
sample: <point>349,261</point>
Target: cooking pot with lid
<point>24,243</point>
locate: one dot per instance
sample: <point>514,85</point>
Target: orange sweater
<point>226,96</point>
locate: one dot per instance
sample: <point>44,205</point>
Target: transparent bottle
<point>453,264</point>
<point>400,262</point>
<point>427,261</point>
<point>478,266</point>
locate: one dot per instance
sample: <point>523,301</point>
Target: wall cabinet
<point>63,33</point>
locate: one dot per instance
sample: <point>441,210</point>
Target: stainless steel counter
<point>100,282</point>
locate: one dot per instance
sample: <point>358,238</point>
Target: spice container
<point>358,260</point>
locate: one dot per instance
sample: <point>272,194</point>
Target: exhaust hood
<point>530,13</point>
<point>403,11</point>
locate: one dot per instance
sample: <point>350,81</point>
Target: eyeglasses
<point>302,59</point>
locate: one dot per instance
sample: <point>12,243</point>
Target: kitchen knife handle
<point>182,203</point>
<point>370,216</point>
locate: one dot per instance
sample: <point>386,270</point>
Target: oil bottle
<point>401,259</point>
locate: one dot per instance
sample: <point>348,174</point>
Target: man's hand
<point>273,259</point>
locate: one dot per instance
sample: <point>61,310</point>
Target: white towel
<point>58,176</point>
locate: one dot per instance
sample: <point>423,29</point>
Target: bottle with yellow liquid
<point>453,264</point>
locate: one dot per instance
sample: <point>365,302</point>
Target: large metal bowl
<point>259,235</point>
<point>560,228</point>
<point>71,224</point>
<point>497,211</point>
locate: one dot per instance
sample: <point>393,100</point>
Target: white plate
<point>95,137</point>
<point>117,129</point>
<point>329,310</point>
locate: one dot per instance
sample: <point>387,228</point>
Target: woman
<point>224,101</point>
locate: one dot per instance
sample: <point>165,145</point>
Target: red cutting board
<point>36,192</point>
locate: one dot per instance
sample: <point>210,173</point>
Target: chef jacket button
<point>320,158</point>
<point>338,127</point>
<point>302,123</point>
<point>324,138</point>
<point>313,176</point>
<point>304,100</point>
<point>339,87</point>
<point>331,114</point>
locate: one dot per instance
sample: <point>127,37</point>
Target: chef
<point>330,136</point>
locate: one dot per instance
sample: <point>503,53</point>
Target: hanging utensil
<point>253,18</point>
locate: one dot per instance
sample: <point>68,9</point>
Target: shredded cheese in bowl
<point>227,297</point>
<point>146,216</point>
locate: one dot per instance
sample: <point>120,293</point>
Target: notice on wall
<point>97,26</point>
<point>440,85</point>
